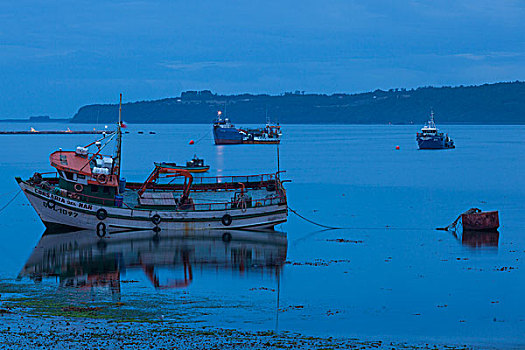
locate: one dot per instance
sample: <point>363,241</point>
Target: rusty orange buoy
<point>397,147</point>
<point>192,142</point>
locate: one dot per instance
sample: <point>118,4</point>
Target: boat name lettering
<point>52,196</point>
<point>61,210</point>
<point>63,200</point>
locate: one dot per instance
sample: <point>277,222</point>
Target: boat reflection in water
<point>82,259</point>
<point>478,239</point>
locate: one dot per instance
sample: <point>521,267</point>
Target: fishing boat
<point>87,192</point>
<point>225,133</point>
<point>270,134</point>
<point>196,165</point>
<point>431,138</point>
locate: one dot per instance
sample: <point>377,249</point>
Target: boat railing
<point>236,178</point>
<point>261,202</point>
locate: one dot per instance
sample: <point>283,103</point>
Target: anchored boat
<point>270,134</point>
<point>431,138</point>
<point>196,165</point>
<point>225,133</point>
<point>87,192</point>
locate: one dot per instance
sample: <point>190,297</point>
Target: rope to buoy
<point>200,139</point>
<point>452,226</point>
<point>313,222</point>
<point>11,200</point>
<point>387,227</point>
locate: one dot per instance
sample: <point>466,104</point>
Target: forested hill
<point>501,103</point>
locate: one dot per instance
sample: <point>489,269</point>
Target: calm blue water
<point>397,278</point>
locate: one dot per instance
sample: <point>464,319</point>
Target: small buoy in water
<point>397,147</point>
<point>192,142</point>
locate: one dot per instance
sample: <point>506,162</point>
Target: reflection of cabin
<point>79,260</point>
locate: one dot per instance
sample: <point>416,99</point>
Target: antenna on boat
<point>432,124</point>
<point>119,140</point>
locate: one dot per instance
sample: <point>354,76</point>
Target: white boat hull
<point>55,211</point>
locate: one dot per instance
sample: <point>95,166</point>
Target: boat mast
<point>119,140</point>
<point>278,162</point>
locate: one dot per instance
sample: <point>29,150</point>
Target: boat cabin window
<point>80,176</point>
<point>70,176</point>
<point>94,188</point>
<point>105,189</point>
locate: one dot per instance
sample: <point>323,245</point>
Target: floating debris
<point>318,262</point>
<point>341,240</point>
<point>263,288</point>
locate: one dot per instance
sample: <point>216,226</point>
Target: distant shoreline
<point>488,104</point>
<point>69,121</point>
<point>37,120</point>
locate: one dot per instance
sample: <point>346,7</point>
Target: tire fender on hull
<point>156,219</point>
<point>226,220</point>
<point>102,214</point>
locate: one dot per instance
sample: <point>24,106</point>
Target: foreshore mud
<point>34,322</point>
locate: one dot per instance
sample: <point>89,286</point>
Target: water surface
<point>386,273</point>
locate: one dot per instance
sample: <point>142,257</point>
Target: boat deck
<point>203,200</point>
<point>206,193</point>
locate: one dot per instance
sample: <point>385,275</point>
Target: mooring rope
<point>201,138</point>
<point>313,222</point>
<point>386,227</point>
<point>452,226</point>
<point>10,201</point>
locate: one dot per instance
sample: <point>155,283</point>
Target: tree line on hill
<point>499,103</point>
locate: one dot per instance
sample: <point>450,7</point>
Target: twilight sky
<point>56,56</point>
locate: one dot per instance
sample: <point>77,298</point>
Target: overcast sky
<point>56,56</point>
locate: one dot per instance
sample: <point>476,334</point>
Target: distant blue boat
<point>225,133</point>
<point>431,138</point>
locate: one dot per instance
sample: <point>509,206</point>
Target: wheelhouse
<point>84,175</point>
